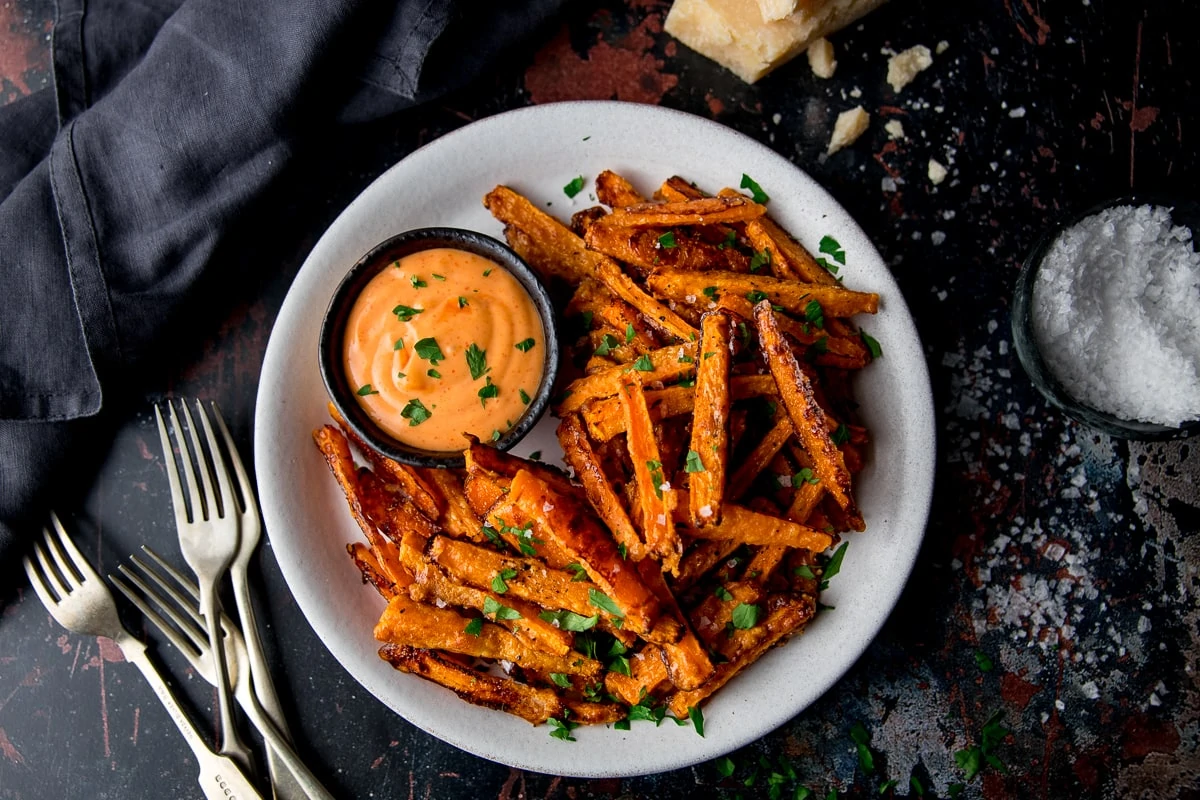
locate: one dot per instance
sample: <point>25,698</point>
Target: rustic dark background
<point>1058,584</point>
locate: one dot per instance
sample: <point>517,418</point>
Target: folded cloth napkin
<point>166,120</point>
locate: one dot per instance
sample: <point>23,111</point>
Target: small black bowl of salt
<point>1106,318</point>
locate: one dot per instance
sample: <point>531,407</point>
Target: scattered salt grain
<point>1114,310</point>
<point>705,512</point>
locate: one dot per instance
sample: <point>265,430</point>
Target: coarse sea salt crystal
<point>1116,314</point>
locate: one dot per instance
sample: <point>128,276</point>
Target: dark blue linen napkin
<point>166,120</point>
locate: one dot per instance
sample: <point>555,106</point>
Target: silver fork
<point>77,598</point>
<point>282,781</point>
<point>188,635</point>
<point>208,539</point>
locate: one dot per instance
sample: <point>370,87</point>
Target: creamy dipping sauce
<point>444,342</point>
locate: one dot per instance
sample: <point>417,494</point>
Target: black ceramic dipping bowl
<point>370,265</point>
<point>1185,213</point>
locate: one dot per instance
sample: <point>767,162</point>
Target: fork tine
<point>248,503</point>
<point>195,621</point>
<point>77,560</point>
<point>184,582</point>
<point>177,500</point>
<point>38,580</point>
<point>62,579</point>
<point>223,489</point>
<point>186,645</point>
<point>200,474</point>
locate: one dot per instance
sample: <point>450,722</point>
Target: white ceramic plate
<point>537,151</point>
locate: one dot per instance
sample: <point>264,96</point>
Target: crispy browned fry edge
<point>548,245</point>
<point>503,694</point>
<point>751,527</point>
<point>791,296</point>
<point>371,569</point>
<point>765,560</point>
<point>688,664</point>
<point>785,618</point>
<point>533,582</point>
<point>644,249</point>
<point>615,191</point>
<point>808,420</point>
<point>458,518</point>
<point>615,313</point>
<point>648,676</point>
<point>808,494</point>
<point>408,479</point>
<point>798,258</point>
<point>701,211</point>
<point>406,621</point>
<point>336,450</point>
<point>710,422</point>
<point>701,558</point>
<point>760,457</point>
<point>667,364</point>
<point>577,531</point>
<point>603,416</point>
<point>391,513</point>
<point>656,498</point>
<point>658,315</point>
<point>579,453</point>
<point>508,465</point>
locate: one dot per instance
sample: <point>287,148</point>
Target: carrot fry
<point>710,423</point>
<point>655,495</point>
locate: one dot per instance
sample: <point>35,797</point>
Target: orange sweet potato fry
<point>665,364</point>
<point>655,495</point>
<point>701,211</point>
<point>793,297</point>
<point>615,191</point>
<point>710,423</point>
<point>582,457</point>
<point>751,527</point>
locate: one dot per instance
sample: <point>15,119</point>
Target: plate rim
<point>917,484</point>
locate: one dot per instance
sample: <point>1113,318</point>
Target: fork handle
<point>220,778</point>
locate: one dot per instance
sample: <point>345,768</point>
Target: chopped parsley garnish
<point>415,412</point>
<point>820,346</point>
<point>972,759</point>
<point>830,247</point>
<point>656,476</point>
<point>562,728</point>
<point>756,296</point>
<point>744,333</point>
<point>760,260</point>
<point>805,475</point>
<point>574,187</point>
<point>586,319</point>
<point>644,364</point>
<point>406,313</point>
<point>707,356</point>
<point>569,620</point>
<point>756,191</point>
<point>496,435</point>
<point>862,741</point>
<point>607,343</point>
<point>745,616</point>
<point>487,272</point>
<point>604,603</point>
<point>694,464</point>
<point>730,240</point>
<point>488,391</point>
<point>499,585</point>
<point>498,611</point>
<point>834,565</point>
<point>984,661</point>
<point>725,766</point>
<point>416,282</point>
<point>841,434</point>
<point>697,718</point>
<point>365,390</point>
<point>623,551</point>
<point>667,239</point>
<point>398,345</point>
<point>536,455</point>
<point>462,302</point>
<point>427,348</point>
<point>629,332</point>
<point>872,345</point>
<point>439,277</point>
<point>477,362</point>
<point>686,383</point>
<point>710,292</point>
<point>401,375</point>
<point>475,626</point>
<point>524,396</point>
<point>814,313</point>
<point>723,594</point>
<point>686,359</point>
<point>433,373</point>
<point>525,345</point>
<point>560,680</point>
<point>578,573</point>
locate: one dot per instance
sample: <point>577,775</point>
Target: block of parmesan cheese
<point>772,10</point>
<point>735,34</point>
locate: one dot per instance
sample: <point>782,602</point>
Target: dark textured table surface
<point>1057,590</point>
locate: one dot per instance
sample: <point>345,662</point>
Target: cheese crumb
<point>937,173</point>
<point>904,67</point>
<point>849,126</point>
<point>705,512</point>
<point>821,59</point>
<point>942,47</point>
<point>894,128</point>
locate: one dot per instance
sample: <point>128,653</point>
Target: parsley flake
<point>499,585</point>
<point>562,729</point>
<point>644,364</point>
<point>603,602</point>
<point>498,611</point>
<point>560,680</point>
<point>416,282</point>
<point>433,373</point>
<point>756,296</point>
<point>607,343</point>
<point>830,247</point>
<point>428,348</point>
<point>723,594</point>
<point>475,626</point>
<point>525,345</point>
<point>805,475</point>
<point>872,346</point>
<point>398,345</point>
<point>814,313</point>
<point>569,620</point>
<point>756,191</point>
<point>694,464</point>
<point>365,390</point>
<point>406,313</point>
<point>697,718</point>
<point>760,260</point>
<point>415,412</point>
<point>629,332</point>
<point>840,435</point>
<point>488,391</point>
<point>439,277</point>
<point>710,292</point>
<point>745,616</point>
<point>477,362</point>
<point>524,396</point>
<point>667,240</point>
<point>462,302</point>
<point>574,187</point>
